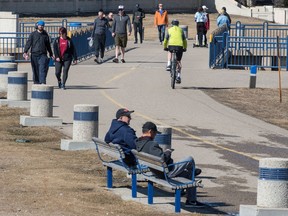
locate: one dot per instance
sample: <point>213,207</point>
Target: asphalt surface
<point>225,144</point>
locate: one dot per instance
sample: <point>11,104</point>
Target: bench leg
<point>109,177</point>
<point>178,200</point>
<point>150,192</point>
<point>134,185</point>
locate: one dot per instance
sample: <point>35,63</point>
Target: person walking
<point>222,19</point>
<point>137,20</point>
<point>161,22</point>
<point>39,42</point>
<point>65,53</point>
<point>122,134</point>
<point>184,169</point>
<point>207,25</point>
<point>200,19</point>
<point>119,31</point>
<point>101,25</point>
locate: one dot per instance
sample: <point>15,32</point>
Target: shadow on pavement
<point>205,88</point>
<point>83,87</point>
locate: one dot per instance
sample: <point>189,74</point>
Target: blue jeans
<point>40,68</point>
<point>161,32</point>
<point>185,170</point>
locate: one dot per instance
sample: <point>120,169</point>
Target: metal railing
<point>251,44</point>
<point>13,43</point>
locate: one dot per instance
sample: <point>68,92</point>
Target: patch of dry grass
<point>261,103</point>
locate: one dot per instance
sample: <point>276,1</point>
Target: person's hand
<point>25,56</point>
<point>75,62</point>
<point>113,34</point>
<point>166,49</point>
<point>129,33</point>
<point>58,59</point>
<point>184,50</point>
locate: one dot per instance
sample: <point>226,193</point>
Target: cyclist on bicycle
<point>175,40</point>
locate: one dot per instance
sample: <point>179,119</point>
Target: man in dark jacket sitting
<point>147,144</point>
<point>121,133</point>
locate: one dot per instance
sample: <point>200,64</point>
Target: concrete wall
<point>8,23</point>
<point>265,13</point>
<point>82,7</point>
<point>281,15</point>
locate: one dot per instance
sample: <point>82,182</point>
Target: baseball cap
<point>204,7</point>
<point>121,7</point>
<point>41,23</point>
<point>224,8</point>
<point>123,112</point>
<point>150,126</point>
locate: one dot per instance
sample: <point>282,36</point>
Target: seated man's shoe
<point>197,171</point>
<point>194,204</point>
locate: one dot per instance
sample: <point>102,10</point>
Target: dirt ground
<point>37,178</point>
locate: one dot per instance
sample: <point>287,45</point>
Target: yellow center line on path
<point>103,92</point>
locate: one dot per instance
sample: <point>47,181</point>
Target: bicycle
<point>174,66</point>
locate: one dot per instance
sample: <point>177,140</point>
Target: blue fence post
<point>109,177</point>
<point>253,72</point>
<point>150,192</point>
<point>134,185</point>
<point>225,35</point>
<point>286,53</point>
<point>178,200</point>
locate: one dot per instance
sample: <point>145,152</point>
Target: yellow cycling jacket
<point>175,37</point>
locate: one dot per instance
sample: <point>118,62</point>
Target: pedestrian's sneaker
<point>194,204</point>
<point>59,84</point>
<point>168,68</point>
<point>178,80</point>
<point>97,60</point>
<point>123,61</point>
<point>63,87</point>
<point>101,60</point>
<point>160,42</point>
<point>115,60</point>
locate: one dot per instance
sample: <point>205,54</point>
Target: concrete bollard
<point>17,86</point>
<point>253,72</point>
<point>85,122</point>
<point>273,183</point>
<point>164,139</point>
<point>4,69</point>
<point>41,101</point>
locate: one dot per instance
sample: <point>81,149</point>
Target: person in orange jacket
<point>161,22</point>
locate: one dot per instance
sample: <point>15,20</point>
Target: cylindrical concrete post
<point>253,72</point>
<point>273,183</point>
<point>17,86</point>
<point>4,69</point>
<point>41,104</point>
<point>85,122</point>
<point>6,59</point>
<point>164,139</point>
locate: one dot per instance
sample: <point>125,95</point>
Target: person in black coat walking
<point>137,21</point>
<point>65,53</point>
<point>39,42</point>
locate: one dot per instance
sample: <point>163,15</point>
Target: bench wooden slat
<point>149,160</point>
<point>112,150</point>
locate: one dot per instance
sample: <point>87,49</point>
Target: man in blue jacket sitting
<point>121,133</point>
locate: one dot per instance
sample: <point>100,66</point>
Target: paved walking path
<point>226,144</point>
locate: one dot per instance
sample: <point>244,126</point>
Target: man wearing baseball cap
<point>121,133</point>
<point>147,144</point>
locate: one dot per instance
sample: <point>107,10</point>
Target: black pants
<point>40,68</point>
<point>205,36</point>
<point>138,27</point>
<point>100,41</point>
<point>200,32</point>
<point>58,70</point>
<point>161,32</point>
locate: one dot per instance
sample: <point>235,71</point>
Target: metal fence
<point>13,43</point>
<point>247,45</point>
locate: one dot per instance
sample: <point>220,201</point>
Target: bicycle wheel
<point>173,70</point>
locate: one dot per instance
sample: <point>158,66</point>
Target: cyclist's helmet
<point>175,22</point>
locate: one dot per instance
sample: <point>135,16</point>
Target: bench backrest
<point>112,150</point>
<point>151,161</point>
